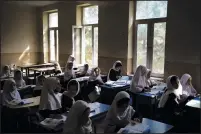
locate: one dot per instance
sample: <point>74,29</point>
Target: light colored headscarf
<point>114,117</point>
<point>114,68</point>
<point>188,90</point>
<point>10,94</point>
<point>73,123</point>
<point>49,99</point>
<point>139,80</point>
<point>92,77</point>
<point>170,89</point>
<point>71,58</point>
<point>69,72</point>
<point>21,82</point>
<point>67,93</point>
<point>4,72</point>
<point>57,66</point>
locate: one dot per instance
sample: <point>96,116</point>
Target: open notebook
<point>52,123</point>
<point>137,128</point>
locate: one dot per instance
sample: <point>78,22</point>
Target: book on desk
<point>136,128</point>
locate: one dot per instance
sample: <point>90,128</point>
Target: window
<point>85,37</point>
<point>150,35</point>
<point>53,36</point>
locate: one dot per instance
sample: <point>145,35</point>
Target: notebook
<point>137,128</point>
<point>27,101</point>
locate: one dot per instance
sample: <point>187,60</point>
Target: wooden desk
<point>157,127</point>
<point>27,67</point>
<point>100,111</point>
<point>35,100</point>
<point>41,70</point>
<point>146,102</point>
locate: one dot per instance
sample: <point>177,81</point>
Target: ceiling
<point>33,3</point>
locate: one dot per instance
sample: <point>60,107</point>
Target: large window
<point>150,35</point>
<point>53,35</point>
<point>85,37</point>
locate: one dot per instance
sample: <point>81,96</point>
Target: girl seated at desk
<point>120,114</point>
<point>57,68</point>
<point>5,72</point>
<point>69,73</point>
<point>115,72</point>
<point>78,121</point>
<point>50,101</point>
<point>151,83</point>
<point>139,81</point>
<point>18,77</point>
<point>169,103</point>
<point>93,81</point>
<point>85,71</point>
<point>188,91</point>
<point>13,118</point>
<point>67,100</point>
<point>39,85</point>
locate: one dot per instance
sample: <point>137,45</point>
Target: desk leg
<point>27,72</point>
<point>34,77</point>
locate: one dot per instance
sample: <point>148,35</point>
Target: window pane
<point>57,51</point>
<point>142,44</point>
<point>53,20</point>
<point>88,45</point>
<point>151,9</point>
<point>159,48</point>
<point>95,62</point>
<point>52,46</point>
<point>77,42</point>
<point>90,15</point>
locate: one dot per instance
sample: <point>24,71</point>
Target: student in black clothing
<point>94,80</point>
<point>115,72</point>
<point>169,104</point>
<point>67,100</point>
<point>85,72</point>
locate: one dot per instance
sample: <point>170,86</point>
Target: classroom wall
<point>182,54</point>
<point>113,35</point>
<point>19,38</point>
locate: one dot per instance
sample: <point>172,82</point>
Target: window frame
<point>55,36</point>
<point>92,26</point>
<point>150,38</point>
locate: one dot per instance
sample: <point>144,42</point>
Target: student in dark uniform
<point>85,72</point>
<point>67,100</point>
<point>115,72</point>
<point>94,80</point>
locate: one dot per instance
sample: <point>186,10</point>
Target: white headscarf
<point>114,117</point>
<point>170,89</point>
<point>57,67</point>
<point>21,82</point>
<point>68,93</point>
<point>188,90</point>
<point>69,72</point>
<point>10,93</point>
<point>50,100</point>
<point>139,80</point>
<point>92,77</point>
<point>114,68</point>
<point>73,122</point>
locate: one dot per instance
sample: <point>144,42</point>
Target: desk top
<point>43,69</point>
<point>35,100</point>
<point>157,127</point>
<point>194,103</point>
<point>37,65</point>
<point>100,109</point>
